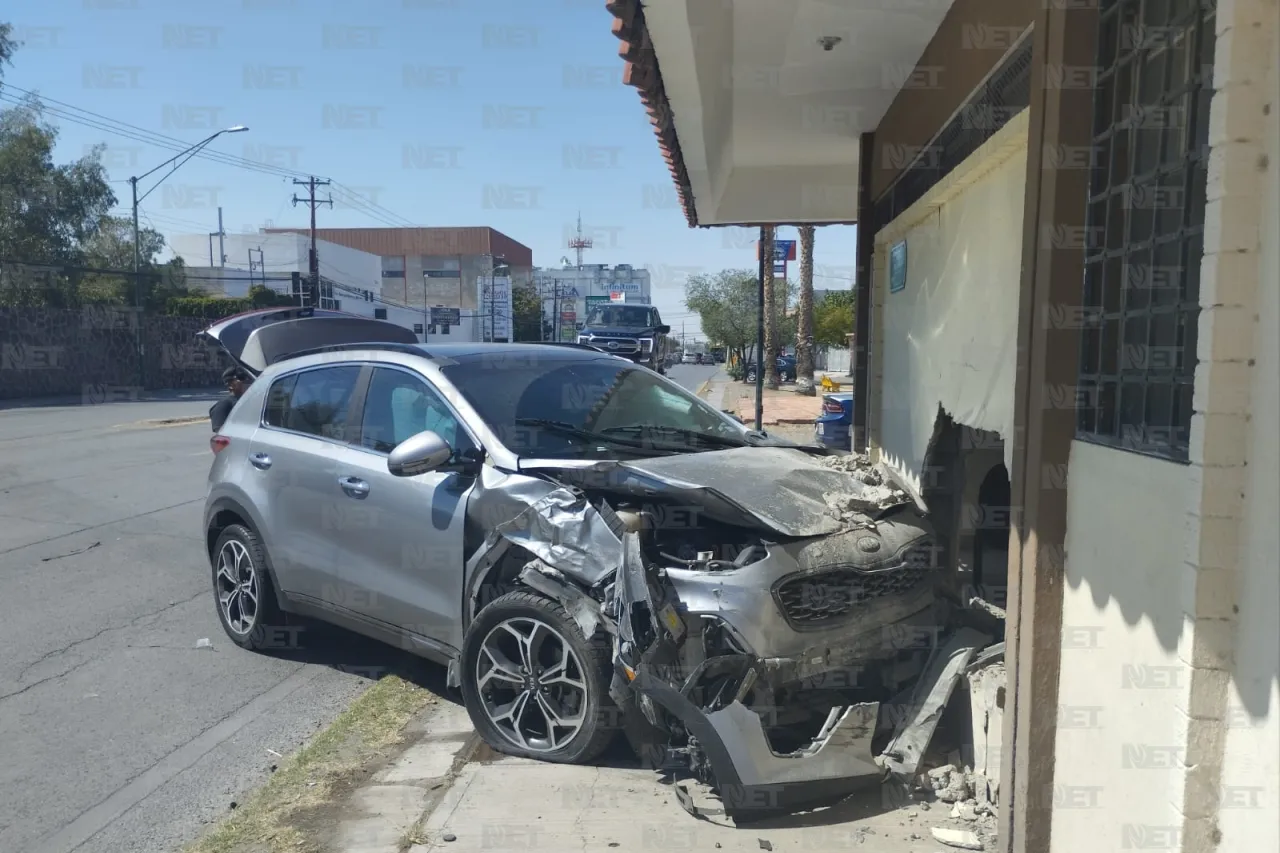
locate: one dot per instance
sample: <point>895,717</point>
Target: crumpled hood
<point>783,490</point>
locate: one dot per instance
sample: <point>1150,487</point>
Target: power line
<point>88,118</point>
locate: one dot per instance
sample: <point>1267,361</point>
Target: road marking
<point>107,812</point>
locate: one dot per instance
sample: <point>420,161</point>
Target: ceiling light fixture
<point>828,42</point>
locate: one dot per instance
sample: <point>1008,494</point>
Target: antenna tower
<point>578,243</point>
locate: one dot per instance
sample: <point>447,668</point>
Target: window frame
<point>294,374</point>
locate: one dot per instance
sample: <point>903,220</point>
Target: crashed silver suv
<point>589,548</point>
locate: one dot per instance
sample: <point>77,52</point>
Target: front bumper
<point>754,782</point>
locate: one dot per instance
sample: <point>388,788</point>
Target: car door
<point>401,553</point>
<point>306,420</point>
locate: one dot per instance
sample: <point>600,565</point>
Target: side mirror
<point>664,330</point>
<point>419,454</point>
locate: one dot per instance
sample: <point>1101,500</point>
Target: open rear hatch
<point>256,339</point>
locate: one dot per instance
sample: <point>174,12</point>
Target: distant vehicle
<point>689,358</point>
<point>633,332</point>
<point>786,369</point>
<point>833,425</point>
<point>717,356</point>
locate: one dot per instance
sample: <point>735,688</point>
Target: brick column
<point>1229,282</point>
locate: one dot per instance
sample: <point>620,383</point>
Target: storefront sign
<point>898,267</point>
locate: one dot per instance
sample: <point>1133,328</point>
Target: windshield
<point>621,315</point>
<point>533,409</point>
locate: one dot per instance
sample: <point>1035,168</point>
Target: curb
<point>702,389</point>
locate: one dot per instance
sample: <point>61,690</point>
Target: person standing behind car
<point>237,380</point>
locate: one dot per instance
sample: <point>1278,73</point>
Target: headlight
<point>646,344</point>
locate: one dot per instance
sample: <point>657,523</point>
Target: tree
<point>47,212</point>
<point>527,308</point>
<point>7,46</point>
<point>726,306</point>
<point>804,331</point>
<point>833,319</point>
<point>770,357</point>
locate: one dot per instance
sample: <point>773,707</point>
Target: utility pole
<point>312,202</point>
<point>222,248</point>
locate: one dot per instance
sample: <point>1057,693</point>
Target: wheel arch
<point>221,514</point>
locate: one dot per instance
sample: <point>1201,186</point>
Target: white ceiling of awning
<point>768,121</point>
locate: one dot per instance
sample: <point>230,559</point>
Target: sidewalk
<point>783,406</point>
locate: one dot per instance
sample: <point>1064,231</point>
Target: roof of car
<point>463,353</point>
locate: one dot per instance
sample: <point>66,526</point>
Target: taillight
<point>219,442</point>
<point>831,407</point>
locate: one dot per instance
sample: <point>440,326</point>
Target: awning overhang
<point>758,120</point>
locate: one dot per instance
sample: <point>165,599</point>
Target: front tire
<point>242,589</point>
<point>533,685</point>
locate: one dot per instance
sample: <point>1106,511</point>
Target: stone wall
<point>93,352</point>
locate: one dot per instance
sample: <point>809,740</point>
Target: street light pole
<point>177,160</point>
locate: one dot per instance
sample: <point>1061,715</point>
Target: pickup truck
<point>634,332</point>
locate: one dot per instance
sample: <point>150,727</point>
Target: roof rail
<point>407,349</point>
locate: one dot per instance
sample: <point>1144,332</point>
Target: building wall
<point>1250,817</point>
<point>1123,687</point>
<point>949,338</point>
<point>1169,614</point>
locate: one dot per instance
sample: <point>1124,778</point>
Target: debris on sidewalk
<point>959,838</point>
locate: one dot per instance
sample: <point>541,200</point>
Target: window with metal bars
<point>1145,224</point>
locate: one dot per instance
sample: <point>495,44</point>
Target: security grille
<point>1145,224</point>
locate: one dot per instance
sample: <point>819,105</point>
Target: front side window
<point>399,405</point>
<point>319,401</point>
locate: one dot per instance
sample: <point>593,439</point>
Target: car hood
<point>256,339</point>
<point>618,330</point>
<point>785,491</point>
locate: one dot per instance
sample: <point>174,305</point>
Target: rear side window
<point>314,402</point>
<point>278,401</point>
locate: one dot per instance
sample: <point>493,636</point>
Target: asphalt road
<point>118,732</point>
<point>691,376</point>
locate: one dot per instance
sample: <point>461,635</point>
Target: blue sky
<point>434,112</point>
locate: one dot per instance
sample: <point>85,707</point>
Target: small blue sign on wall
<point>898,267</point>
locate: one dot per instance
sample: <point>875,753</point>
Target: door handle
<point>354,486</point>
<point>261,461</point>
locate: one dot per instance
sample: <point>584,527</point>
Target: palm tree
<point>804,328</point>
<point>768,360</point>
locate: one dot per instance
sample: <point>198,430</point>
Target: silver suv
<point>588,547</point>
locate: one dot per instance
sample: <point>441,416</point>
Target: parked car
<point>635,332</point>
<point>786,369</point>
<point>521,513</point>
<point>833,425</point>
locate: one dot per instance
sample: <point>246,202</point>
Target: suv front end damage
<point>751,647</point>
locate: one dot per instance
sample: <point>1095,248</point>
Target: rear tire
<point>559,678</point>
<point>243,593</point>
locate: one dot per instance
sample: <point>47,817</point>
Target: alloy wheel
<point>237,587</point>
<point>531,684</point>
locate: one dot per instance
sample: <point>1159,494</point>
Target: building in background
<point>350,280</point>
<point>567,294</point>
<point>445,269</point>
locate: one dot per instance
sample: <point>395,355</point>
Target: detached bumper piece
<point>752,781</point>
